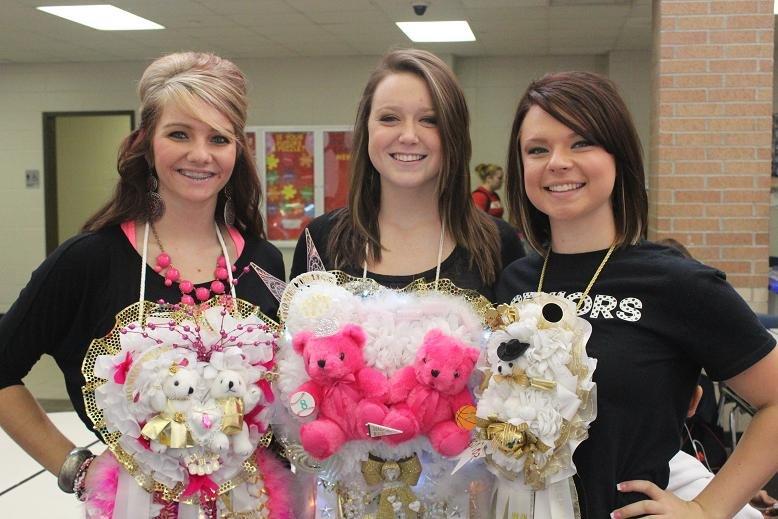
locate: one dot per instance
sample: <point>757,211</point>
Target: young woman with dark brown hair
<point>575,183</point>
<point>409,204</point>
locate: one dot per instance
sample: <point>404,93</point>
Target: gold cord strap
<point>591,282</point>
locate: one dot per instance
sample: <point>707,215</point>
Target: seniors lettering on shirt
<point>602,306</point>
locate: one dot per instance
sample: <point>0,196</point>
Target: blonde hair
<point>187,77</point>
<point>184,79</point>
<point>485,171</point>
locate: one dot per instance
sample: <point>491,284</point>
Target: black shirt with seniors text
<point>657,319</point>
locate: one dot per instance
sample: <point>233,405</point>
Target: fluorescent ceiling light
<point>101,17</point>
<point>437,31</point>
<point>775,7</point>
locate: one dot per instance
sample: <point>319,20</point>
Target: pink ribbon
<point>121,369</point>
<point>264,385</point>
<point>202,484</point>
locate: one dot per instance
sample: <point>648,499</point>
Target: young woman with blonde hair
<point>186,177</point>
<point>485,196</point>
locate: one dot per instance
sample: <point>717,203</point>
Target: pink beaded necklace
<point>164,266</point>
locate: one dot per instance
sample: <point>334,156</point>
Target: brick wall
<point>711,134</point>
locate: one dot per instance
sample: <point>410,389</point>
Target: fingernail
<point>615,515</point>
<point>618,486</point>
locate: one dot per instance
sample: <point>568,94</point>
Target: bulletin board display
<point>304,172</point>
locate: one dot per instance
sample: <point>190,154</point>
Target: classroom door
<point>80,152</point>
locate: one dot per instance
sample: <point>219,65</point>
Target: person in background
<point>485,196</point>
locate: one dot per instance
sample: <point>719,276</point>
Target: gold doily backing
<point>111,345</point>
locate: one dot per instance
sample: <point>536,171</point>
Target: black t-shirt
<point>456,267</point>
<point>657,318</point>
<point>75,294</point>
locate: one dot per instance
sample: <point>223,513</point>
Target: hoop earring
<point>229,209</point>
<point>155,205</point>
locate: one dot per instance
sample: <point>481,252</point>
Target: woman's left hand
<point>659,504</point>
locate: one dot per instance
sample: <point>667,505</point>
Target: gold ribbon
<point>397,478</point>
<point>515,441</point>
<point>169,428</point>
<point>521,378</point>
<point>500,317</point>
<point>232,417</point>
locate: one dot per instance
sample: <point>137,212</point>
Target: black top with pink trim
<point>75,294</point>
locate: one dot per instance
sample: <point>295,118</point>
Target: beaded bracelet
<point>70,468</point>
<point>79,484</point>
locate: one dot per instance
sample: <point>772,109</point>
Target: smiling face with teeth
<point>193,159</point>
<point>403,138</point>
<point>565,176</point>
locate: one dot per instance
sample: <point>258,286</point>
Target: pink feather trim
<point>101,483</point>
<point>278,481</point>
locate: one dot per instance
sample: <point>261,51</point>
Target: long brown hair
<point>183,78</point>
<point>590,105</point>
<point>472,229</point>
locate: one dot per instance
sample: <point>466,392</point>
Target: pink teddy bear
<point>427,394</point>
<point>346,393</point>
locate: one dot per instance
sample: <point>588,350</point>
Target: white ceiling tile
<point>266,28</point>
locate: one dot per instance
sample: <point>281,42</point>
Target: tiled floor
<point>28,493</point>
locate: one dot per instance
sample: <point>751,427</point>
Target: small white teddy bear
<point>234,400</point>
<point>173,403</point>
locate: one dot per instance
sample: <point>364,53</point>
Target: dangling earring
<point>154,203</point>
<point>229,209</point>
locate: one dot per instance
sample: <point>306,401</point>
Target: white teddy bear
<point>233,399</point>
<point>172,401</point>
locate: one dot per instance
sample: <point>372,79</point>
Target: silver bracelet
<point>69,470</point>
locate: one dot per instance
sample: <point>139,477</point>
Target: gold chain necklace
<point>591,282</point>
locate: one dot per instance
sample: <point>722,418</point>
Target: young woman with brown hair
<point>409,205</point>
<point>576,184</point>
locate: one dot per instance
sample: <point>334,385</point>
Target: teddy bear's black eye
<point>456,374</point>
<point>342,355</point>
<point>175,383</point>
<point>510,364</point>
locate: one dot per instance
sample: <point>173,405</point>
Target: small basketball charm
<point>302,404</point>
<point>465,417</point>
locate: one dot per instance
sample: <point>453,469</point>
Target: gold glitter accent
<point>111,345</point>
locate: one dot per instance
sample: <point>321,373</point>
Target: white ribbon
<point>514,500</point>
<point>132,501</point>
